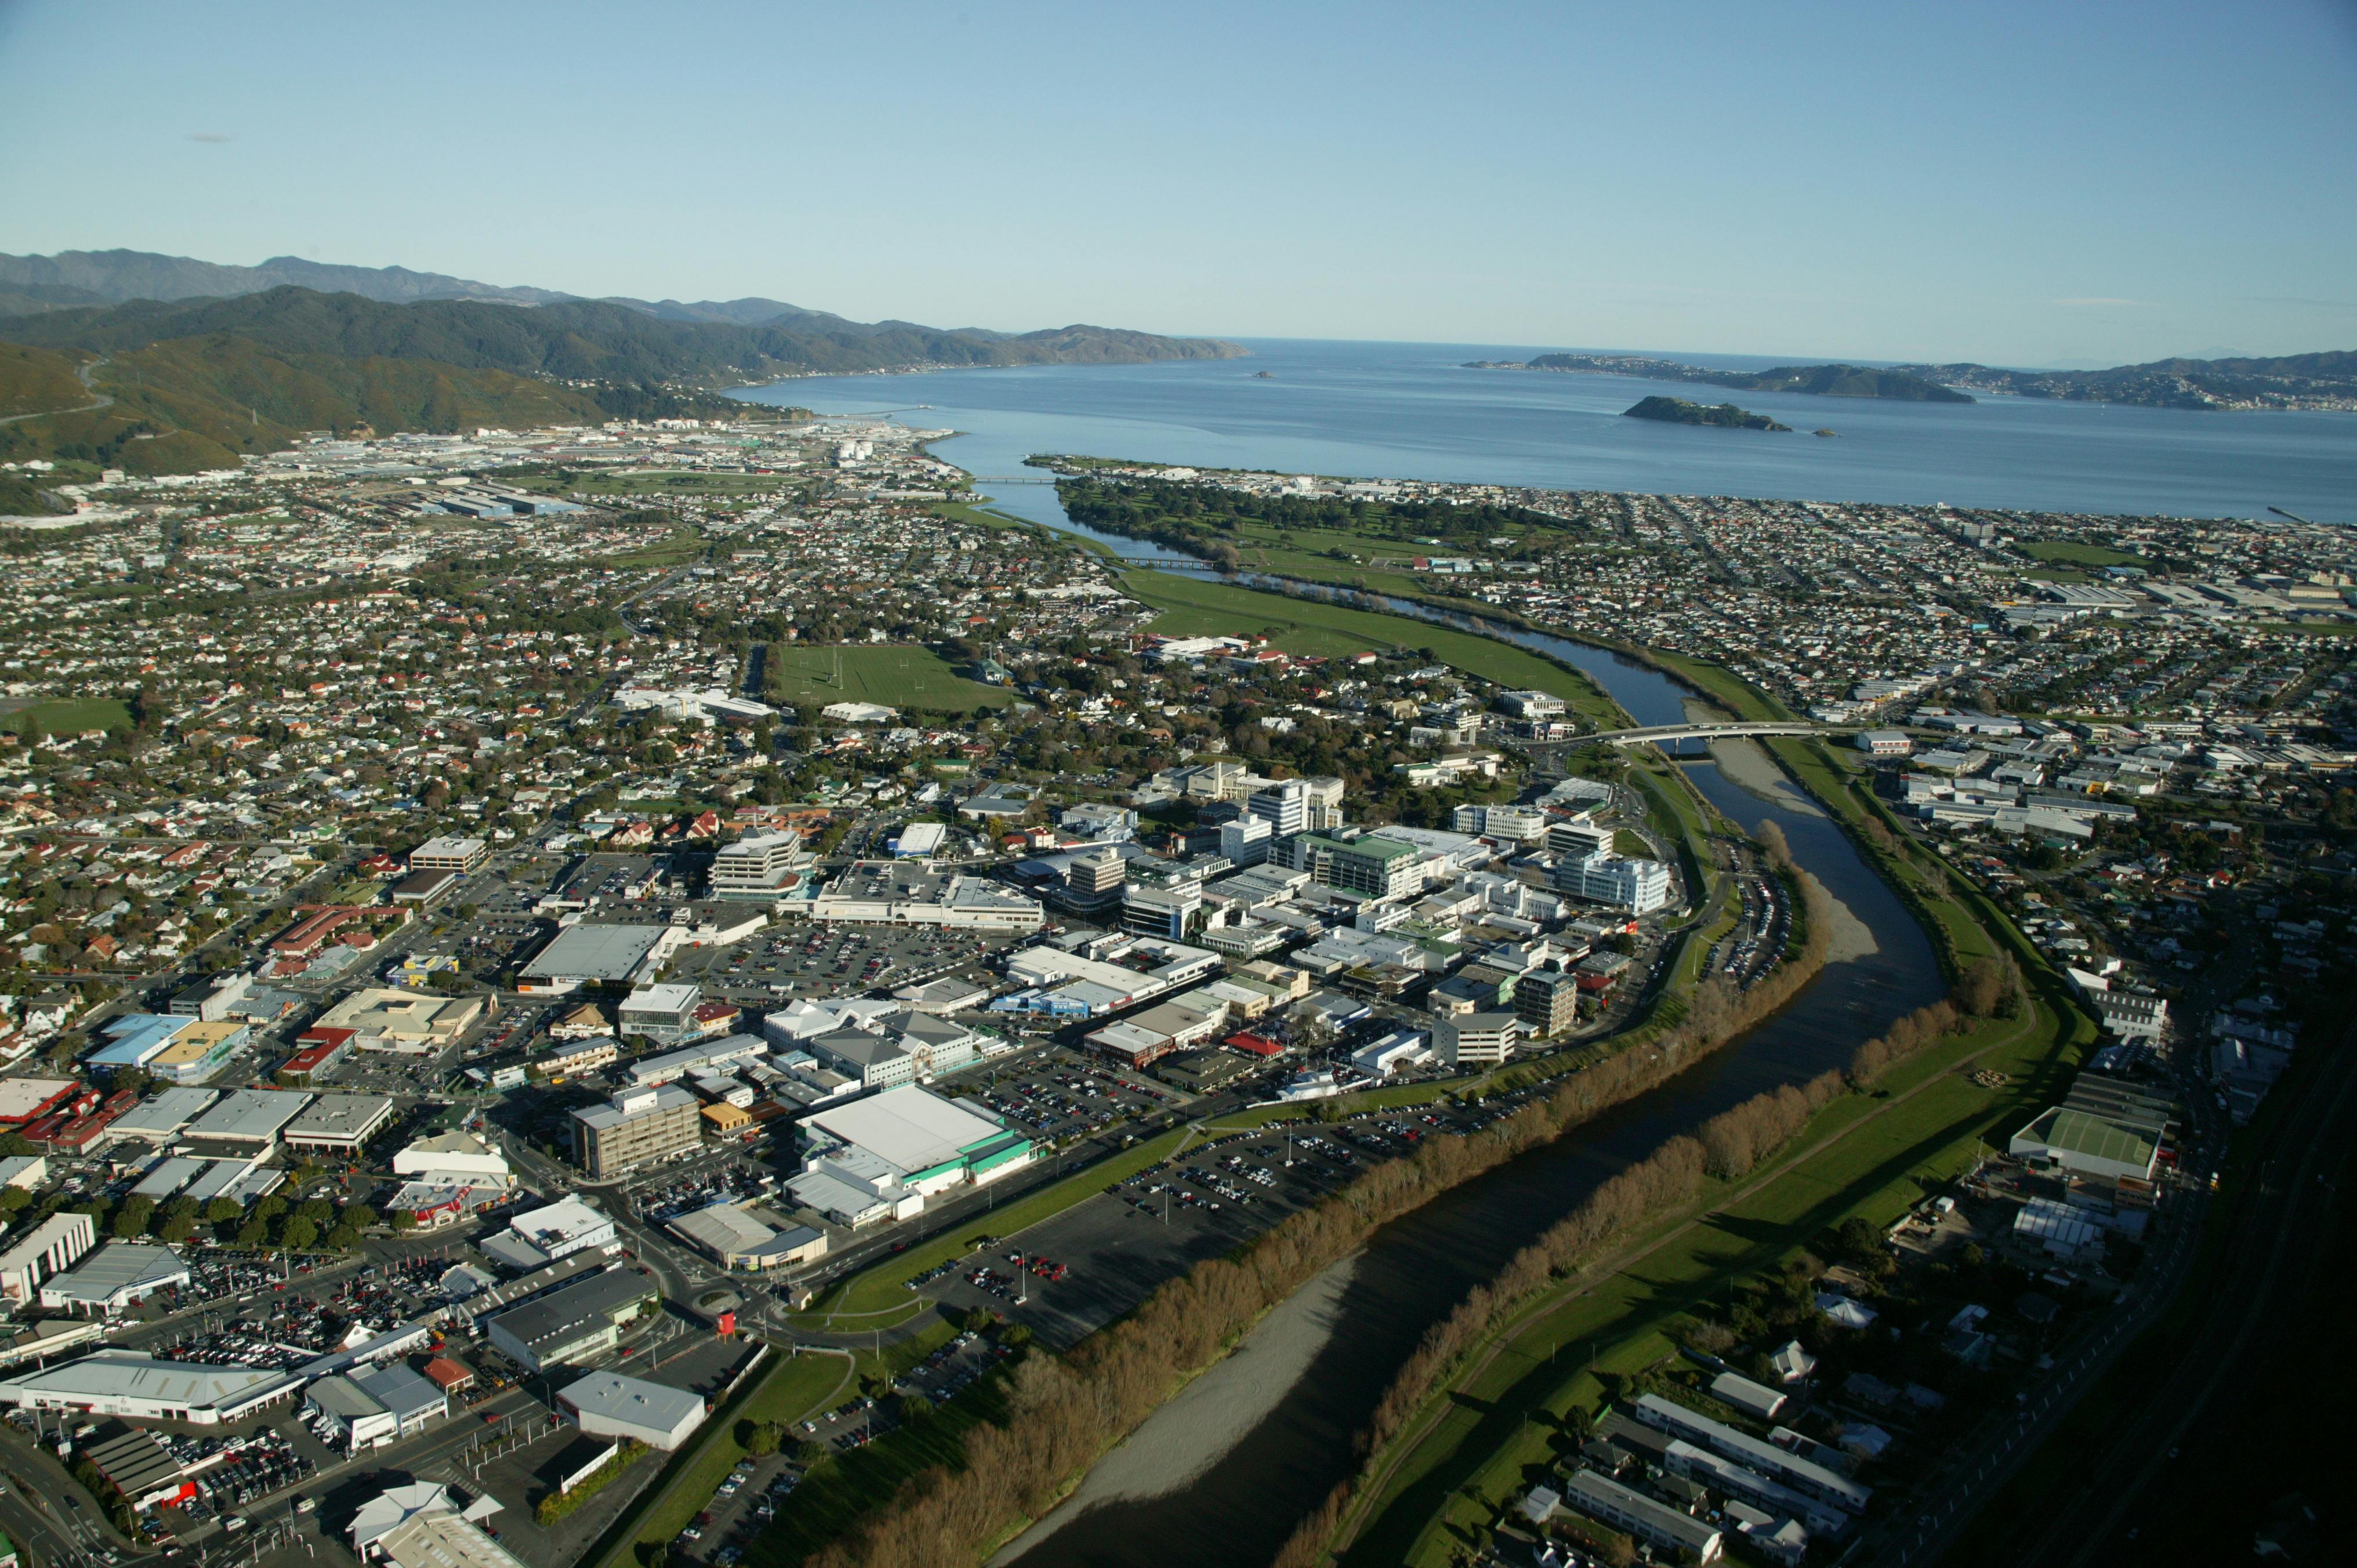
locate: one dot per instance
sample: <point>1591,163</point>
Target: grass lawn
<point>658,482</point>
<point>884,1287</point>
<point>67,716</point>
<point>684,545</point>
<point>1194,609</point>
<point>895,675</point>
<point>1722,685</point>
<point>2057,550</point>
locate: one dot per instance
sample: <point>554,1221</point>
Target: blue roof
<point>136,1037</point>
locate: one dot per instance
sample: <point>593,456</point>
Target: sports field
<point>894,674</point>
<point>70,715</point>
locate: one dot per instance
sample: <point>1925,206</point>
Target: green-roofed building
<point>1378,866</point>
<point>2088,1144</point>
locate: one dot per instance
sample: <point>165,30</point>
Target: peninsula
<point>1678,411</point>
<point>1818,380</point>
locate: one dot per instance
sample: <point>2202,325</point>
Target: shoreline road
<point>2259,1275</point>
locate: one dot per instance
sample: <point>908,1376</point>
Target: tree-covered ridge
<point>1679,411</point>
<point>576,340</point>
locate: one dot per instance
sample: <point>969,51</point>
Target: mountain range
<point>160,364</point>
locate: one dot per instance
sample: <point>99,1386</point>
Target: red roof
<point>1253,1045</point>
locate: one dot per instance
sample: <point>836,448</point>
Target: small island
<point>1678,411</point>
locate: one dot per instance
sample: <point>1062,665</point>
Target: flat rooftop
<point>340,1116</point>
<point>249,1115</point>
<point>619,1398</point>
<point>594,953</point>
<point>908,1127</point>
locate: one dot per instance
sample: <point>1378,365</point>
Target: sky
<point>2017,183</point>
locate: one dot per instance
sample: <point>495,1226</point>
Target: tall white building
<point>1284,805</point>
<point>756,868</point>
<point>1246,841</point>
<point>1639,886</point>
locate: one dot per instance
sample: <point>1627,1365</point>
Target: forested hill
<point>1821,380</point>
<point>194,384</point>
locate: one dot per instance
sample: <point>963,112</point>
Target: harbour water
<point>1411,411</point>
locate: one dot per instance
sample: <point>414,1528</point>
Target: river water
<point>1414,1270</point>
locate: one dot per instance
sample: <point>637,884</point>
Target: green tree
<point>253,1233</point>
<point>299,1233</point>
<point>221,1211</point>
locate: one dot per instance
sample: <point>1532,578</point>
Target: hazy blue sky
<point>2017,182</point>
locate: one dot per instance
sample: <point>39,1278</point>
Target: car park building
<point>338,1124</point>
<point>580,1320</point>
<point>607,1404</point>
<point>635,1128</point>
<point>449,853</point>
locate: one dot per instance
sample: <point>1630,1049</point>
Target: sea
<point>1414,411</point>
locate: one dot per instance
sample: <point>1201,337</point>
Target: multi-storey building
<point>635,1128</point>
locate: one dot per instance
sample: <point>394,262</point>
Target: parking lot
<point>1115,1248</point>
<point>1060,1094</point>
<point>817,962</point>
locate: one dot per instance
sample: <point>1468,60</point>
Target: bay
<point>1412,411</point>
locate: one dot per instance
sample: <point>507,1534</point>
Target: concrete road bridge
<point>1656,733</point>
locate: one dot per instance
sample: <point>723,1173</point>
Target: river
<point>1241,1507</point>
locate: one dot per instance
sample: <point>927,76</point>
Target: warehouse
<point>741,1243</point>
<point>607,1404</point>
<point>140,1388</point>
<point>118,1275</point>
<point>2090,1145</point>
<point>248,1119</point>
<point>338,1123</point>
<point>578,1321</point>
<point>164,1118</point>
<point>374,1405</point>
<point>909,1143</point>
<point>598,955</point>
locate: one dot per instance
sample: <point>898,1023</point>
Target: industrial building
<point>133,1387</point>
<point>2089,1144</point>
<point>741,1243</point>
<point>580,1320</point>
<point>338,1123</point>
<point>163,1118</point>
<point>636,1127</point>
<point>607,1404</point>
<point>118,1275</point>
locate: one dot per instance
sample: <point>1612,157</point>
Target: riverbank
<point>1210,1415</point>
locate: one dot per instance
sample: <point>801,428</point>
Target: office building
<point>449,853</point>
<point>1639,886</point>
<point>758,868</point>
<point>337,1124</point>
<point>1374,865</point>
<point>1476,1039</point>
<point>1246,841</point>
<point>1547,1000</point>
<point>636,1127</point>
<point>1098,871</point>
<point>663,1013</point>
<point>1283,804</point>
